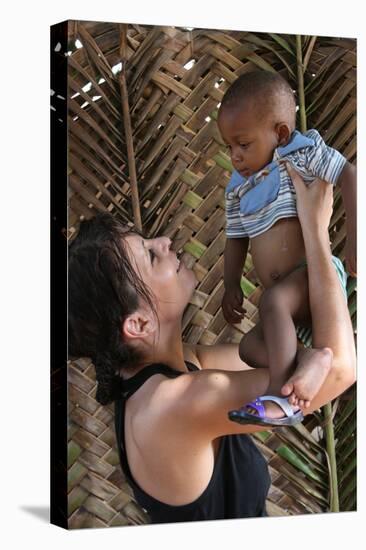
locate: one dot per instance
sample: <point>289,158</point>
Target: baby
<point>257,122</point>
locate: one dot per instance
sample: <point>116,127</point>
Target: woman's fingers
<point>295,176</point>
<point>314,200</point>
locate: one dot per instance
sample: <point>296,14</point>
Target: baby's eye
<point>244,145</point>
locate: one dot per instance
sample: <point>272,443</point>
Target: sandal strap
<point>280,401</point>
<point>256,405</point>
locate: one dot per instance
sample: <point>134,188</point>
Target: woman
<point>183,457</point>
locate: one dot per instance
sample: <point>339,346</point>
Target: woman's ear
<point>283,133</point>
<point>138,325</point>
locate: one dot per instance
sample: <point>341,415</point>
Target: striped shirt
<point>248,214</point>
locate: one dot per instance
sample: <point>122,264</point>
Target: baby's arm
<point>235,254</point>
<point>348,183</point>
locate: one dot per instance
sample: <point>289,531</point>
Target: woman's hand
<point>314,201</point>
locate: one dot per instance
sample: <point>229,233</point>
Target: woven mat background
<point>176,79</point>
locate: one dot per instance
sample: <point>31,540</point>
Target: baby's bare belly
<point>277,251</point>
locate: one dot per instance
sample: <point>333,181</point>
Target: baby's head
<point>257,114</point>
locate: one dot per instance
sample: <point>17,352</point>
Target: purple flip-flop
<point>243,417</point>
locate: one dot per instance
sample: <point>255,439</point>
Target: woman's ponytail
<point>109,386</point>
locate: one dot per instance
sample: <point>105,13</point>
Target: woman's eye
<point>152,255</point>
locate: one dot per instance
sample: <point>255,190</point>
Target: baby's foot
<point>311,371</point>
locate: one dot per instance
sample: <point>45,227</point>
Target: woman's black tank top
<point>240,480</point>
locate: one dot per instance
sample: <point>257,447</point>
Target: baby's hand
<point>351,257</point>
<point>232,305</point>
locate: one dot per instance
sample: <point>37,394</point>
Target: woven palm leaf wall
<point>173,180</point>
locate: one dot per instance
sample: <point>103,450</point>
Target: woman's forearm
<point>331,324</point>
<point>348,184</point>
<point>330,317</point>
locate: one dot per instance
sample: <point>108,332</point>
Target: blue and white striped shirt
<point>255,204</point>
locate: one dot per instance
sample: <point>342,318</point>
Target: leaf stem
<point>300,83</point>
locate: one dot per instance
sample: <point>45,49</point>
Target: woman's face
<point>170,281</point>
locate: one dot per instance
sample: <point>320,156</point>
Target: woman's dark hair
<point>103,289</point>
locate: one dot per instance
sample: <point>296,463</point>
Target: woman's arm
<point>217,357</point>
<point>348,184</point>
<point>331,324</point>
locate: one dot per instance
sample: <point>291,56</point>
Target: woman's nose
<point>167,242</point>
<point>164,243</point>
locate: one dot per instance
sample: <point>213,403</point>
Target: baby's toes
<point>287,389</point>
<point>292,399</point>
<point>300,393</point>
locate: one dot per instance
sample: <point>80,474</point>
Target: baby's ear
<point>283,133</point>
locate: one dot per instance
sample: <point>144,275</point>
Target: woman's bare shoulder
<point>215,356</point>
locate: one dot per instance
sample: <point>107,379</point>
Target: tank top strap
<point>131,385</point>
<point>191,366</point>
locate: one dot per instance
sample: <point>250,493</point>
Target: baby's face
<point>251,141</point>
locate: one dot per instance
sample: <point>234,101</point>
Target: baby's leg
<point>281,307</point>
<point>252,348</point>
